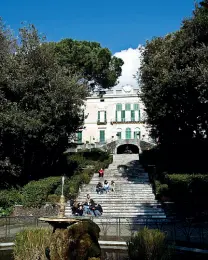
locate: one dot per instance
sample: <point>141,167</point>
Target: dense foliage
<point>32,244</point>
<point>36,193</point>
<point>94,63</point>
<point>41,107</point>
<point>148,244</point>
<point>42,91</point>
<point>174,80</point>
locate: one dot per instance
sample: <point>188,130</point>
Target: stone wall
<point>46,210</point>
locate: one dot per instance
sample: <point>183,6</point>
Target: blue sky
<point>117,25</point>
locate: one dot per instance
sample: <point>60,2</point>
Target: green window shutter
<point>137,134</point>
<point>123,115</point>
<point>118,107</point>
<point>98,116</point>
<point>128,133</point>
<point>102,136</point>
<point>132,115</point>
<point>79,137</point>
<point>119,135</point>
<point>136,107</point>
<point>127,107</point>
<point>105,116</point>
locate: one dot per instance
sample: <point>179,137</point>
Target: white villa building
<point>116,116</point>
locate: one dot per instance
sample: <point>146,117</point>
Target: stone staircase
<point>133,197</point>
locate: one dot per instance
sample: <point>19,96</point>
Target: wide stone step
<point>118,194</point>
<point>121,181</point>
<point>116,211</point>
<point>126,207</point>
<point>122,188</point>
<point>128,203</point>
<point>130,220</point>
<point>127,215</point>
<point>125,198</point>
<point>117,201</point>
<point>133,211</point>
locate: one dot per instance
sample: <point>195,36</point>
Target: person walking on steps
<point>101,172</point>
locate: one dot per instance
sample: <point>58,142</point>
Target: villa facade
<point>115,115</point>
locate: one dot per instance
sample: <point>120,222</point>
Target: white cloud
<point>131,58</point>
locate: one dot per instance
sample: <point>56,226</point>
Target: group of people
<point>105,187</point>
<point>89,207</point>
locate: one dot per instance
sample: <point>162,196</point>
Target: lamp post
<point>62,200</point>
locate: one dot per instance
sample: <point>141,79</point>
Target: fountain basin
<point>60,223</point>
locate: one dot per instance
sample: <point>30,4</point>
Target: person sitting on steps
<point>98,210</point>
<point>86,205</point>
<point>106,186</point>
<point>101,172</point>
<point>79,211</point>
<point>99,188</point>
<point>95,209</point>
<point>113,186</point>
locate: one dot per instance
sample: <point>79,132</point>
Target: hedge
<point>8,198</point>
<point>161,189</point>
<point>148,244</point>
<point>35,193</point>
<point>183,187</point>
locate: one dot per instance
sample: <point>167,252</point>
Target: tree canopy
<point>41,106</point>
<point>94,63</point>
<point>174,81</point>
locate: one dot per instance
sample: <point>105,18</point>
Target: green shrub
<point>31,244</point>
<point>35,193</point>
<point>161,189</point>
<point>77,161</point>
<point>9,198</point>
<point>85,177</point>
<point>148,244</point>
<point>53,198</point>
<point>4,212</point>
<point>183,187</point>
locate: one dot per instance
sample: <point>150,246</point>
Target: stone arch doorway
<point>127,149</point>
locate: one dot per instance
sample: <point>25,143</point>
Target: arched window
<point>128,133</point>
<point>137,133</point>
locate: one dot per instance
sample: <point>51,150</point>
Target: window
<point>123,115</point>
<point>137,133</point>
<point>102,136</point>
<point>127,107</point>
<point>79,137</point>
<point>136,106</point>
<point>132,115</point>
<point>139,116</point>
<point>128,133</point>
<point>102,116</point>
<point>118,135</point>
<point>118,107</point>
